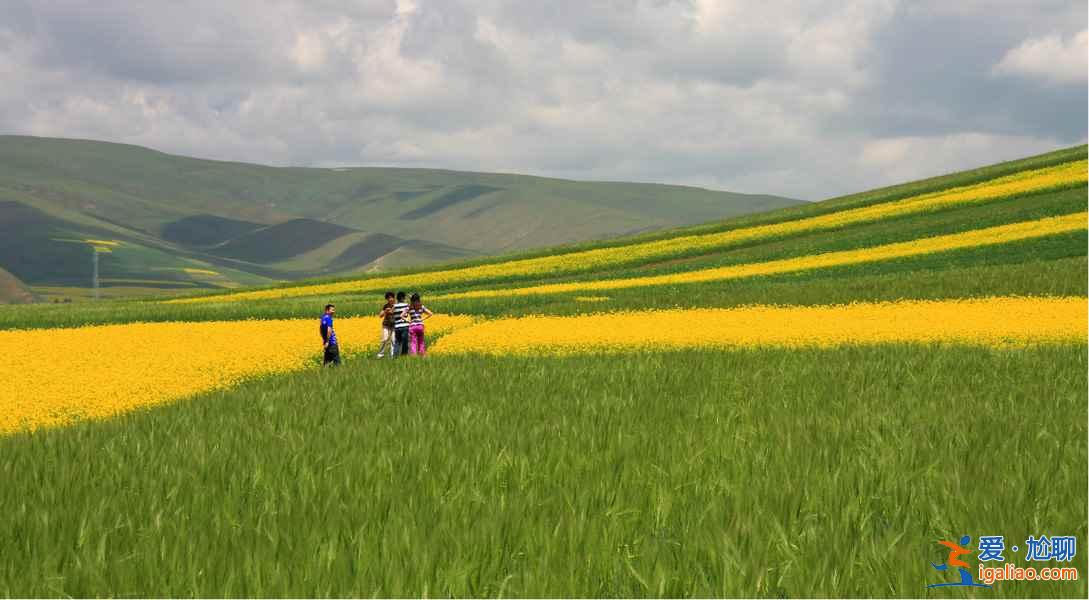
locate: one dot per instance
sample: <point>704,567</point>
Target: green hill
<point>640,459</point>
<point>1048,265</point>
<point>255,224</point>
<point>206,230</point>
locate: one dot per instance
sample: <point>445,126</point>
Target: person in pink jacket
<point>416,314</point>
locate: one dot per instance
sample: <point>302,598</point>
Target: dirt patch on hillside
<point>12,291</point>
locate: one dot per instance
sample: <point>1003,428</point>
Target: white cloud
<point>309,52</point>
<point>915,157</point>
<point>1050,57</point>
<point>812,99</point>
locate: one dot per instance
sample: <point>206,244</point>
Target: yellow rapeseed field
<point>1003,187</point>
<point>94,372</point>
<point>1001,234</point>
<point>988,321</point>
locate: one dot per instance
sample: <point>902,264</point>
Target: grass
<point>888,231</point>
<point>754,473</point>
<point>758,472</point>
<point>1053,266</point>
<point>910,280</point>
<point>924,278</point>
<point>856,237</point>
<point>66,294</point>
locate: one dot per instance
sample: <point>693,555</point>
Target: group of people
<point>402,329</point>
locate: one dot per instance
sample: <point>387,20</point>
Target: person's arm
<point>325,331</point>
<point>427,313</point>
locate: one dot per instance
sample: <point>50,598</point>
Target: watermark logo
<point>955,551</point>
<point>993,566</point>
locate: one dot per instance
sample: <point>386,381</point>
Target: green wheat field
<point>754,471</point>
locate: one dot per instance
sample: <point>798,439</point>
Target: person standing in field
<point>400,326</point>
<point>417,313</point>
<point>329,338</point>
<point>388,320</point>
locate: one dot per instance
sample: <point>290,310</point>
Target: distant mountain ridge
<point>187,222</point>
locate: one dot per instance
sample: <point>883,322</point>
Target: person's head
<point>389,297</point>
<point>400,296</point>
<point>330,309</point>
<point>415,301</point>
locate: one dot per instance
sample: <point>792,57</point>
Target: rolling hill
<point>188,223</point>
<point>770,405</point>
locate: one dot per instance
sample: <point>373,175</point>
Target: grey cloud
<point>806,99</point>
<point>133,42</point>
<point>618,24</point>
<point>933,76</point>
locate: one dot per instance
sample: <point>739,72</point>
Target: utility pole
<point>97,246</point>
<point>94,270</point>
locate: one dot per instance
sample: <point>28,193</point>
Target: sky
<point>808,99</point>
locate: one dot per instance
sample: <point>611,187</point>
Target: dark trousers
<point>332,355</point>
<point>400,341</point>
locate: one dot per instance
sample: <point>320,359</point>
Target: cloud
<point>913,157</point>
<point>810,99</point>
<point>1050,58</point>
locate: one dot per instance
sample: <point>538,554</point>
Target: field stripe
<point>989,322</point>
<point>1024,182</point>
<point>1001,234</point>
<point>52,376</point>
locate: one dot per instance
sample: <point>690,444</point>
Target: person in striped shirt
<point>416,314</point>
<point>400,326</point>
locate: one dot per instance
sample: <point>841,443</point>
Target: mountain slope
<point>1031,209</point>
<point>202,212</point>
<point>12,291</point>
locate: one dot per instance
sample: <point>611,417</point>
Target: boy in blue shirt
<point>329,337</point>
